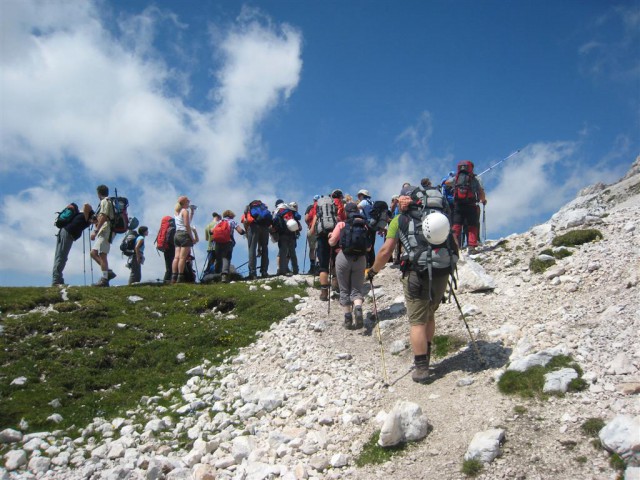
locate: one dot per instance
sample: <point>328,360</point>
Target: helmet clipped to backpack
<point>292,225</point>
<point>436,228</point>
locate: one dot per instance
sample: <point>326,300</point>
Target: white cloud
<point>78,92</point>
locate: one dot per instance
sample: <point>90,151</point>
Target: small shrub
<point>538,266</point>
<point>616,462</point>
<point>373,454</point>
<point>444,344</point>
<point>578,385</point>
<point>562,253</point>
<point>472,467</point>
<point>519,410</point>
<point>581,459</point>
<point>577,237</point>
<point>592,426</point>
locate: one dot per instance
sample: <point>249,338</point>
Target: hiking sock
<point>105,274</point>
<point>419,359</point>
<point>180,278</point>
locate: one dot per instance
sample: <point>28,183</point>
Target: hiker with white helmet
<point>286,223</point>
<point>429,258</point>
<point>351,241</point>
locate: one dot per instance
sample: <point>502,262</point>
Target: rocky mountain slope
<point>305,398</point>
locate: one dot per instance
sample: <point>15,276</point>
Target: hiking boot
<point>179,278</point>
<point>420,372</point>
<point>359,319</point>
<point>111,275</point>
<point>348,321</point>
<point>324,293</point>
<point>264,275</point>
<point>103,282</point>
<point>224,278</point>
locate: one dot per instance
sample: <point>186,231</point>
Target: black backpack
<point>354,237</point>
<point>128,244</point>
<point>379,215</point>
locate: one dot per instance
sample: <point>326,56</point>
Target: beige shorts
<point>102,245</point>
<point>420,309</point>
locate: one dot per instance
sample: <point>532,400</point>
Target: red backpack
<point>466,186</point>
<point>167,231</point>
<point>221,233</point>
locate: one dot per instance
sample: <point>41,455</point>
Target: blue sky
<point>228,101</point>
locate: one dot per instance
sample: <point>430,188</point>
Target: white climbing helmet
<point>292,225</point>
<point>436,228</point>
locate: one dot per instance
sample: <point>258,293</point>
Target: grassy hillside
<point>101,350</point>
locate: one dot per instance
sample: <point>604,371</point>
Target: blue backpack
<point>366,210</point>
<point>260,213</point>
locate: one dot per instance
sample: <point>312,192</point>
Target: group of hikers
<point>424,228</point>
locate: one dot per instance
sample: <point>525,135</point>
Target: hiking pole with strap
<point>329,296</point>
<point>498,163</point>
<point>464,319</point>
<point>375,312</point>
<point>304,259</point>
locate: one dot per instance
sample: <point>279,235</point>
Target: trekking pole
<point>90,262</point>
<point>375,312</point>
<point>304,260</point>
<point>84,258</point>
<point>195,262</point>
<point>484,223</point>
<point>329,297</point>
<point>498,163</point>
<point>475,346</point>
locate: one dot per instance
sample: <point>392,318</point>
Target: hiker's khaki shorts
<point>420,309</point>
<point>102,244</point>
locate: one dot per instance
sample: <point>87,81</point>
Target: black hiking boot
<point>111,274</point>
<point>420,372</point>
<point>348,321</point>
<point>359,319</point>
<point>103,282</point>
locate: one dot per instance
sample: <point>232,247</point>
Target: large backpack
<point>379,215</point>
<point>164,239</point>
<point>281,218</point>
<point>259,213</point>
<point>66,215</point>
<point>128,244</point>
<point>446,187</point>
<point>120,222</point>
<point>221,233</point>
<point>354,236</point>
<point>418,254</point>
<point>466,188</point>
<point>327,215</point>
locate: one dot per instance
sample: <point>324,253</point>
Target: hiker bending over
<point>351,240</point>
<point>68,234</point>
<point>183,239</point>
<point>425,272</point>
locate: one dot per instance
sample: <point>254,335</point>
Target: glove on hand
<point>370,274</point>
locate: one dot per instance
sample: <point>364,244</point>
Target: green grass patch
<point>101,353</point>
<point>581,459</point>
<point>538,266</point>
<point>374,454</point>
<point>472,467</point>
<point>529,384</point>
<point>558,254</point>
<point>577,237</point>
<point>442,345</point>
<point>519,410</point>
<point>592,426</point>
<point>616,462</point>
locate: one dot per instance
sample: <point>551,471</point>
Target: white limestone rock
<point>14,459</point>
<point>558,381</point>
<point>621,436</point>
<point>404,423</point>
<point>473,277</point>
<point>39,464</point>
<point>9,435</point>
<point>485,446</point>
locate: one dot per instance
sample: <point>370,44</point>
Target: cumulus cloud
<point>83,92</point>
